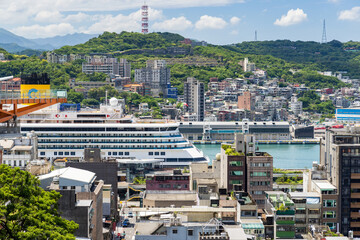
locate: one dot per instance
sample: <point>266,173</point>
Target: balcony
<point>354,224</point>
<point>355,215</point>
<point>300,215</point>
<point>314,215</point>
<point>286,212</point>
<point>355,205</point>
<point>356,233</point>
<point>12,157</point>
<point>355,176</point>
<point>355,195</point>
<point>355,186</point>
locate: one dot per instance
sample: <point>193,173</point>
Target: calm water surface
<point>287,156</point>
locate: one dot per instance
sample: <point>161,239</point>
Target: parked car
<point>126,223</point>
<point>130,215</point>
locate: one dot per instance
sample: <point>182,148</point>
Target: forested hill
<point>114,42</point>
<point>331,56</point>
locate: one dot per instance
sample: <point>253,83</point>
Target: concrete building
<point>19,151</point>
<point>284,212</point>
<point>156,75</point>
<point>162,199</point>
<point>225,130</point>
<point>307,210</point>
<point>247,65</point>
<point>259,175</point>
<point>167,181</point>
<point>315,180</point>
<point>244,169</point>
<point>340,151</point>
<point>109,66</point>
<point>177,229</point>
<point>81,201</point>
<point>194,97</point>
<point>107,172</point>
<point>296,106</point>
<point>246,101</point>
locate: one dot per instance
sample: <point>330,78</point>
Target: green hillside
<point>266,55</point>
<point>331,56</point>
<point>114,42</point>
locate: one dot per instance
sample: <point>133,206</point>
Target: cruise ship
<point>68,134</point>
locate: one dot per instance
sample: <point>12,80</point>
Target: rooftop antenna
<point>324,39</point>
<point>255,36</point>
<point>144,18</point>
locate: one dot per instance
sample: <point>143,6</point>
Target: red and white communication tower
<point>145,19</point>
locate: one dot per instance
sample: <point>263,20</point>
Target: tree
<point>27,211</point>
<point>90,102</point>
<point>75,97</point>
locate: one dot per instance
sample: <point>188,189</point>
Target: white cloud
<point>207,21</point>
<point>235,20</point>
<point>48,16</point>
<point>37,31</point>
<point>173,24</point>
<point>350,15</point>
<point>334,1</point>
<point>293,16</point>
<point>79,17</point>
<point>234,32</point>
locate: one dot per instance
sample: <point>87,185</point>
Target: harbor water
<point>286,156</point>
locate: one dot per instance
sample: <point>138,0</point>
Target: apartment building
<point>108,66</point>
<point>259,175</point>
<point>284,213</point>
<point>194,97</point>
<point>81,199</point>
<point>340,152</point>
<point>307,210</point>
<point>244,169</point>
<point>173,180</point>
<point>156,74</point>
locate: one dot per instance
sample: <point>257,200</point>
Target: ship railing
<point>34,94</point>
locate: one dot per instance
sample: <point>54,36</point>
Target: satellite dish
<point>114,102</point>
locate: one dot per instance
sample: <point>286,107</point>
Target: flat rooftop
<point>200,209</point>
<point>304,194</point>
<point>324,185</point>
<point>171,196</point>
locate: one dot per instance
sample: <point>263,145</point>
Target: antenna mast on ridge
<point>144,19</point>
<point>324,40</point>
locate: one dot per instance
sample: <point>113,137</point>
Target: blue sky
<point>215,21</point>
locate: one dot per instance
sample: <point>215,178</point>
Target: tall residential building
<point>194,97</point>
<point>246,101</point>
<point>248,66</point>
<point>296,106</point>
<point>340,152</point>
<point>245,169</point>
<point>156,75</point>
<point>108,66</point>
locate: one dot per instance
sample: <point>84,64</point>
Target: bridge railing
<point>34,94</point>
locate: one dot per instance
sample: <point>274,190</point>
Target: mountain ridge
<point>14,43</point>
